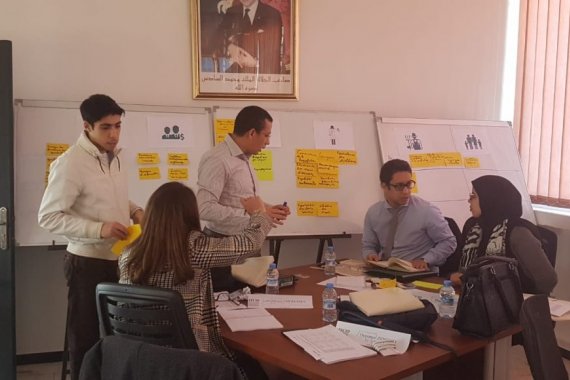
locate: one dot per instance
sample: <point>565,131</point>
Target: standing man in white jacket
<point>86,200</point>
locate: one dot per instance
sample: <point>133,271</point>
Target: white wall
<point>406,58</point>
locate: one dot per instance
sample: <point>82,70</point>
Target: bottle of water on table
<point>330,261</point>
<point>272,284</point>
<point>447,300</point>
<point>329,303</point>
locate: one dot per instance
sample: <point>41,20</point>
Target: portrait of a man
<point>238,38</point>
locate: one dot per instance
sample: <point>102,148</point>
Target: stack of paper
<point>370,337</point>
<point>347,282</point>
<point>328,344</point>
<point>249,319</point>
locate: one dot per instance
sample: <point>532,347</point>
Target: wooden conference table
<point>272,347</point>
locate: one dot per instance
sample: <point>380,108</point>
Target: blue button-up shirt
<point>422,232</point>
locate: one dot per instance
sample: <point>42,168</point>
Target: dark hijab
<point>499,199</point>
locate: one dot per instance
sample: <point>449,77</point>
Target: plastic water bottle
<point>272,284</point>
<point>447,298</point>
<point>330,261</point>
<point>329,303</point>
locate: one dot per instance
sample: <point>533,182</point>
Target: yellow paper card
<point>177,158</point>
<point>471,162</point>
<point>134,233</point>
<point>427,285</point>
<point>222,127</point>
<point>178,174</point>
<point>149,173</point>
<point>53,149</point>
<point>415,179</point>
<point>430,160</point>
<point>347,157</point>
<point>328,181</point>
<point>306,208</point>
<point>307,156</point>
<point>263,164</point>
<point>327,209</point>
<point>329,157</point>
<point>148,158</point>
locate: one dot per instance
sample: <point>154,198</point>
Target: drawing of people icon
<point>175,130</point>
<point>332,134</point>
<point>479,143</point>
<point>468,142</point>
<point>416,143</point>
<point>474,139</point>
<point>166,134</point>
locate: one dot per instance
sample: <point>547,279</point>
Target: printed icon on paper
<point>175,135</point>
<point>333,132</point>
<point>472,142</point>
<point>414,143</point>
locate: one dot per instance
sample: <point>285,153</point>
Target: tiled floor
<point>518,369</point>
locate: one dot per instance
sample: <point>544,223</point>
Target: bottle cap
<point>330,285</point>
<point>272,266</point>
<point>447,283</point>
<point>330,248</point>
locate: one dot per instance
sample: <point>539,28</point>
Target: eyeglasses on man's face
<point>401,186</point>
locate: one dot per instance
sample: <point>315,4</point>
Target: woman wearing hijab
<point>497,229</point>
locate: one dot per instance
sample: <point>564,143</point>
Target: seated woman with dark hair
<point>173,253</point>
<point>497,228</point>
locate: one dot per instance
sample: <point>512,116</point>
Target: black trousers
<point>222,278</point>
<point>82,275</point>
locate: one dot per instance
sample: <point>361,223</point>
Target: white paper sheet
<point>366,336</point>
<point>355,283</point>
<point>328,344</point>
<point>279,301</point>
<point>249,319</point>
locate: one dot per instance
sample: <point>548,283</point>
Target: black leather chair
<point>540,346</point>
<point>115,357</point>
<point>146,313</point>
<point>451,265</point>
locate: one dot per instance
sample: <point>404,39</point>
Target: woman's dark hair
<point>171,213</point>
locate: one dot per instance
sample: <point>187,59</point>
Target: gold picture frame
<point>244,49</point>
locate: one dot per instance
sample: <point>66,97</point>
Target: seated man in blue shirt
<point>420,235</point>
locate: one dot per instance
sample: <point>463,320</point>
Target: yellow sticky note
<point>385,283</point>
<point>134,233</point>
<point>178,174</point>
<point>263,165</point>
<point>427,285</point>
<point>328,156</point>
<point>327,168</point>
<point>149,173</point>
<point>328,181</point>
<point>306,156</point>
<point>327,209</point>
<point>347,157</point>
<point>54,149</point>
<point>222,127</point>
<point>148,158</point>
<point>430,160</point>
<point>306,208</point>
<point>471,162</point>
<point>177,159</point>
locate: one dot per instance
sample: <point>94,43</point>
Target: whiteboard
<point>489,145</point>
<point>359,186</point>
<point>41,122</point>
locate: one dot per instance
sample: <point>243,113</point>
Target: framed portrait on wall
<point>244,49</point>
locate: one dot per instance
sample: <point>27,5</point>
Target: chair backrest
<point>549,243</point>
<point>114,357</point>
<point>451,265</point>
<point>147,313</point>
<point>540,346</point>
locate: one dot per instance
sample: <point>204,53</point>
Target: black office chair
<point>451,265</point>
<point>146,313</point>
<point>114,357</point>
<point>540,346</point>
